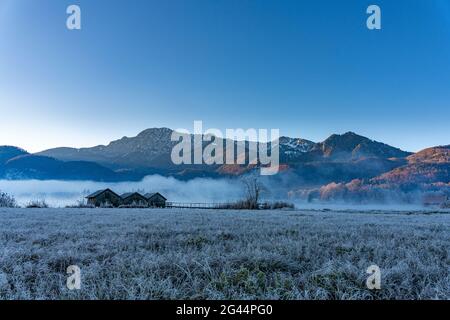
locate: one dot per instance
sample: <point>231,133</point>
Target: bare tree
<point>253,190</point>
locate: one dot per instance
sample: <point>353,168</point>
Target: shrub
<point>81,204</point>
<point>37,204</point>
<point>7,201</point>
<point>250,205</point>
<point>277,205</point>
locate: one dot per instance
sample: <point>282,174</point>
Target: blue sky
<point>309,68</point>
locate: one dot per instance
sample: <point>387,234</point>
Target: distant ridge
<point>339,158</point>
<point>351,145</point>
<point>152,148</point>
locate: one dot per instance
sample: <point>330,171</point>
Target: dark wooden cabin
<point>156,200</point>
<point>131,198</point>
<point>103,198</point>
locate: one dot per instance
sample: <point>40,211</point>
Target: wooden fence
<point>200,205</point>
<point>194,205</point>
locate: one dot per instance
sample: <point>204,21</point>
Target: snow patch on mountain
<point>295,145</point>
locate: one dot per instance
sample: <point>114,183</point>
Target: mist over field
<point>61,193</point>
<point>57,193</point>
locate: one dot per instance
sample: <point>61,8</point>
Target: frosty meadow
<point>224,254</point>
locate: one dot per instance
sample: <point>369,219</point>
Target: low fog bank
<point>61,193</point>
<point>206,190</point>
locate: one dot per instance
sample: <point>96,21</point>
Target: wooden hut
<point>156,200</point>
<point>104,197</point>
<point>133,198</point>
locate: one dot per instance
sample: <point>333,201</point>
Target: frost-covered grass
<point>202,254</point>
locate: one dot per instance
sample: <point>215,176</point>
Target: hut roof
<point>99,192</point>
<point>151,195</point>
<point>129,194</point>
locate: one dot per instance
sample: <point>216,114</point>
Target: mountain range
<point>304,164</point>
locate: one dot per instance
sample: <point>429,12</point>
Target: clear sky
<point>309,68</point>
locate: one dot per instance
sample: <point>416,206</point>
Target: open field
<point>214,254</point>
